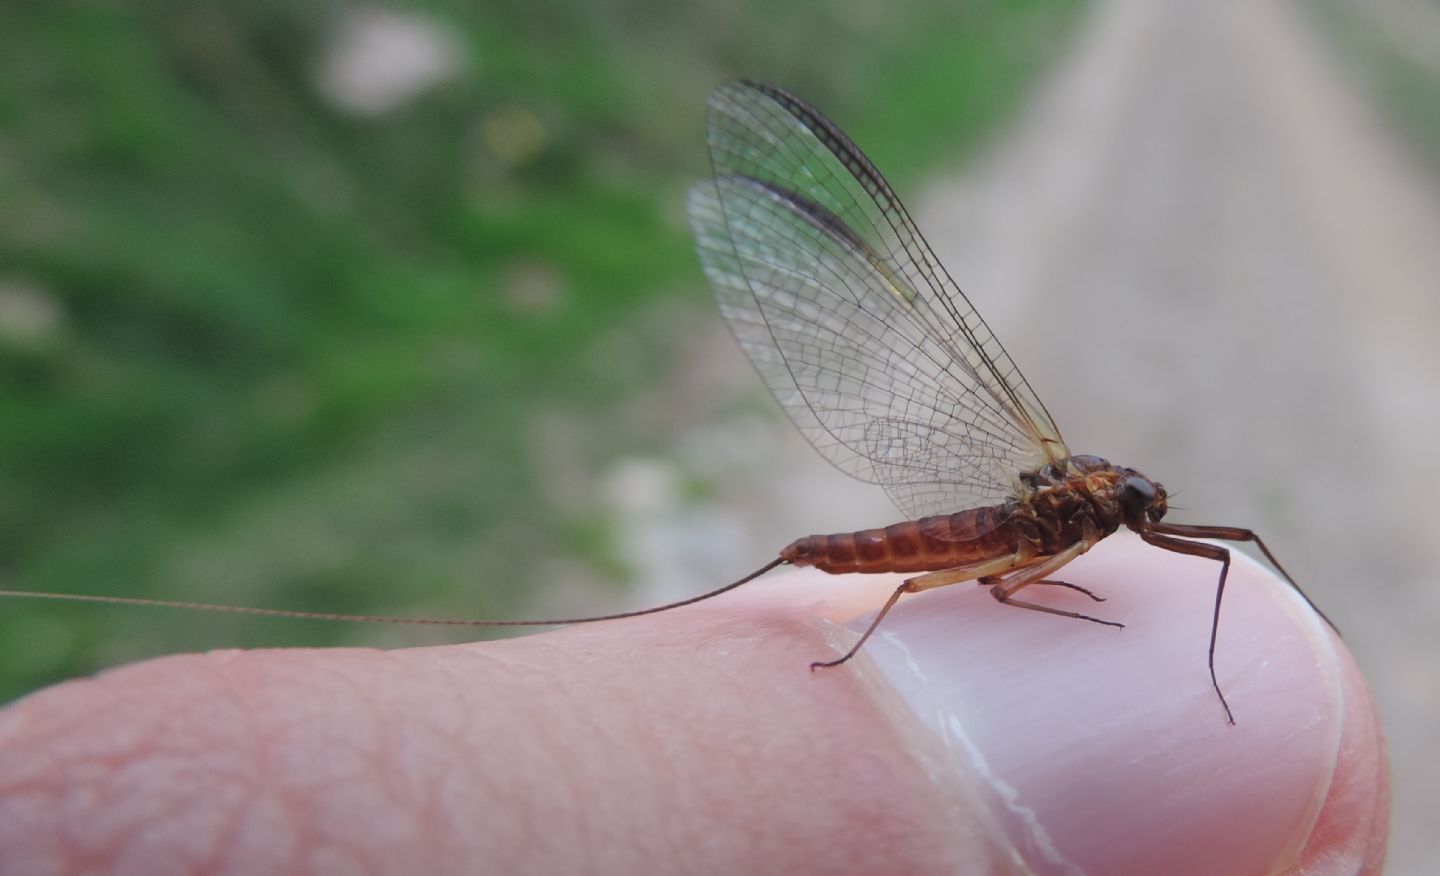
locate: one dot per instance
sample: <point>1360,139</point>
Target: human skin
<point>968,737</point>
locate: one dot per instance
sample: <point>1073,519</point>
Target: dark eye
<point>1137,492</point>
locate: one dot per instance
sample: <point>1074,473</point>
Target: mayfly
<point>887,369</point>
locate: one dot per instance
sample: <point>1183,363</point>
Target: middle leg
<point>1004,589</point>
<point>992,580</point>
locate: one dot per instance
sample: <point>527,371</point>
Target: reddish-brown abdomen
<point>923,545</point>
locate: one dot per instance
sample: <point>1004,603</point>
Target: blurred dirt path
<point>1215,264</point>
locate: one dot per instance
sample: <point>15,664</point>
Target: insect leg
<point>1236,533</point>
<point>1211,552</point>
<point>1004,589</point>
<point>992,580</point>
<point>928,581</point>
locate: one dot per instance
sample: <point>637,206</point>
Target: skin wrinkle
<point>670,765</point>
<point>225,839</point>
<point>434,789</point>
<point>103,786</point>
<point>436,730</point>
<point>442,832</point>
<point>553,744</point>
<point>250,733</point>
<point>374,754</point>
<point>264,739</point>
<point>461,777</point>
<point>386,740</point>
<point>280,847</point>
<point>608,739</point>
<point>644,778</point>
<point>526,824</point>
<point>537,746</point>
<point>294,812</point>
<point>39,767</point>
<point>783,625</point>
<point>667,772</point>
<point>396,795</point>
<point>125,839</point>
<point>247,731</point>
<point>283,740</point>
<point>711,787</point>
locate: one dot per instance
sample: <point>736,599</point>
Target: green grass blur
<point>256,347</point>
<point>1394,56</point>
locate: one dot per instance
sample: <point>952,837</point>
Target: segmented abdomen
<point>923,545</point>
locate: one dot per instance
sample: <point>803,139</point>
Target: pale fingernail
<point>1104,750</point>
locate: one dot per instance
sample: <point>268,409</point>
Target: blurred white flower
<point>28,312</point>
<point>379,59</point>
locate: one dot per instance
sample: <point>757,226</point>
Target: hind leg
<point>929,581</point>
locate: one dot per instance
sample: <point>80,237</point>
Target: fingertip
<point>967,734</point>
<point>1108,750</point>
<point>1352,827</point>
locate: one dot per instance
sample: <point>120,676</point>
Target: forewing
<point>850,319</point>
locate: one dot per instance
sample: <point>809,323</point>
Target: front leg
<point>1236,533</point>
<point>1220,555</point>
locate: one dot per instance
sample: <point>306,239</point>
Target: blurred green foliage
<point>1395,56</point>
<point>257,347</point>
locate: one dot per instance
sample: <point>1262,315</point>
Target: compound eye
<point>1137,492</point>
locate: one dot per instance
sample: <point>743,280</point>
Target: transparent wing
<point>848,316</point>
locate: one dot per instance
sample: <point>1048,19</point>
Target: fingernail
<point>1104,750</point>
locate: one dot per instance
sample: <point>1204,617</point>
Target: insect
<point>887,369</point>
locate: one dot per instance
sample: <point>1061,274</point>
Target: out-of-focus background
<point>361,307</point>
<point>392,309</point>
